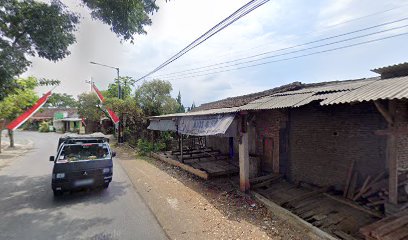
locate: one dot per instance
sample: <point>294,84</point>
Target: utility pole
<point>120,135</point>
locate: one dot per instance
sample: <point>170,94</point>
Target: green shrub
<point>144,147</point>
<point>44,127</point>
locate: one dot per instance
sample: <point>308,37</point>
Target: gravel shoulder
<point>188,207</point>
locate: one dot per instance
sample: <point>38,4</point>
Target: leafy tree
<point>88,107</point>
<point>181,108</point>
<point>15,104</point>
<point>36,28</point>
<point>154,98</point>
<point>30,28</point>
<point>133,121</point>
<point>61,100</point>
<point>126,84</point>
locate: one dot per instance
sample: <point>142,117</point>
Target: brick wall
<point>268,125</point>
<point>323,141</point>
<point>401,120</point>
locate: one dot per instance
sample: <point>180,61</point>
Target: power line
<point>192,71</point>
<point>295,57</point>
<point>325,29</point>
<point>244,10</point>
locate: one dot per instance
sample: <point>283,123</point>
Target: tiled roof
<point>48,113</point>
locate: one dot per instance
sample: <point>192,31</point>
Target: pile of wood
<point>391,228</point>
<point>373,193</point>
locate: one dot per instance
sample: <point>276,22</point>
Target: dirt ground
<point>188,207</point>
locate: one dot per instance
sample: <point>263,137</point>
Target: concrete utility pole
<point>120,137</point>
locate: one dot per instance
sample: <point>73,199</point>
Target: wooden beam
<point>392,159</point>
<point>384,112</point>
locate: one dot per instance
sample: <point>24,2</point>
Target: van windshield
<point>84,152</point>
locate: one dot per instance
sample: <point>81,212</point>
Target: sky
<point>277,24</point>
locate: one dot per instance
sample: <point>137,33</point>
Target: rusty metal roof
<point>391,88</point>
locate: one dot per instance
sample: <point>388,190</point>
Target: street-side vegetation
<point>22,98</point>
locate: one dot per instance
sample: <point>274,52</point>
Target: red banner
<point>30,112</point>
<point>111,113</point>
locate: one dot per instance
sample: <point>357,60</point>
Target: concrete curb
<point>312,231</point>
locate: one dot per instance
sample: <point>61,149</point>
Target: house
<point>63,119</point>
<point>347,136</point>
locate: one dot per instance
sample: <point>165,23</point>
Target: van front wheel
<point>105,185</point>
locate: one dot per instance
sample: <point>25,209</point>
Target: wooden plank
<point>188,168</point>
<point>399,234</point>
<point>343,235</point>
<point>352,187</point>
<point>389,227</point>
<point>354,205</point>
<point>349,176</point>
<point>363,188</point>
<point>305,196</point>
<point>261,179</point>
<point>369,228</point>
<point>388,116</point>
<point>267,182</point>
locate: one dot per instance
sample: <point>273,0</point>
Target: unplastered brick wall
<point>268,124</point>
<point>324,140</point>
<point>401,121</point>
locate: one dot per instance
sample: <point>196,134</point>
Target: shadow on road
<point>28,204</point>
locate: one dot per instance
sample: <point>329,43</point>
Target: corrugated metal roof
<point>391,68</point>
<point>332,93</point>
<point>277,101</point>
<point>198,113</point>
<point>391,88</point>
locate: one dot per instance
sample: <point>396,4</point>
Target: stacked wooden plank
<point>374,191</point>
<point>390,228</point>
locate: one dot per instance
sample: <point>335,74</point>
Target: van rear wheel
<point>57,193</point>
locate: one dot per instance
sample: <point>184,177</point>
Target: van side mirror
<point>113,154</point>
<point>52,158</point>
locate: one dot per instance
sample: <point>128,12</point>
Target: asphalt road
<point>28,209</point>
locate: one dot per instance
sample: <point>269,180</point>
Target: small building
<point>342,141</point>
<point>62,119</point>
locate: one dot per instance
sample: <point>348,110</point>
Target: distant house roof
<point>48,113</point>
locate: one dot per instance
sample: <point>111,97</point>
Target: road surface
<point>28,209</point>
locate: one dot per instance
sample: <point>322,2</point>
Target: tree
<point>36,28</point>
<point>15,104</point>
<point>88,107</point>
<point>133,120</point>
<point>181,108</point>
<point>63,100</point>
<point>126,84</point>
<point>30,28</point>
<point>154,98</point>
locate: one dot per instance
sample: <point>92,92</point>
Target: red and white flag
<point>111,113</point>
<point>30,112</point>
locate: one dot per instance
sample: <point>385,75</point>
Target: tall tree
<point>181,108</point>
<point>15,104</point>
<point>126,84</point>
<point>61,100</point>
<point>36,28</point>
<point>155,99</point>
<point>88,106</point>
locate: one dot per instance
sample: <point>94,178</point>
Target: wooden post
<point>181,148</point>
<point>243,156</point>
<point>392,155</point>
<point>393,169</point>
